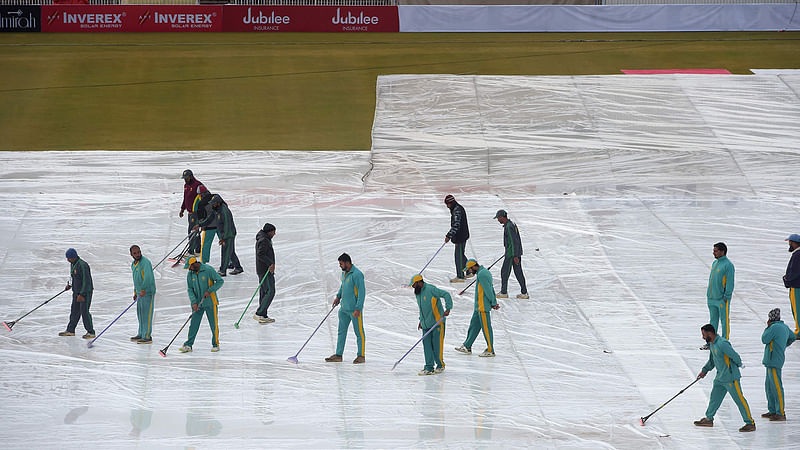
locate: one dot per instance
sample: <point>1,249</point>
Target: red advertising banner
<point>311,18</point>
<point>105,18</point>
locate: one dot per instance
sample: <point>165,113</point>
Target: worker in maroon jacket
<point>189,193</point>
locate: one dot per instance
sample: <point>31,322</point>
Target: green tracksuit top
<point>143,278</point>
<point>725,359</point>
<point>81,281</point>
<point>484,291</point>
<point>776,338</point>
<point>351,292</point>
<point>720,281</point>
<point>430,305</point>
<point>225,227</point>
<point>511,240</point>
<point>206,279</point>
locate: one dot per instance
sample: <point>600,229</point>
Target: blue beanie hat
<point>71,253</point>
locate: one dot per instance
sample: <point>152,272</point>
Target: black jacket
<point>459,229</point>
<point>265,255</point>
<point>792,279</point>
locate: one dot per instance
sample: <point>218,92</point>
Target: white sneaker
<point>523,296</point>
<point>425,372</point>
<point>487,354</point>
<point>266,320</point>
<point>457,280</point>
<point>469,275</point>
<point>257,317</point>
<point>439,369</point>
<point>214,349</point>
<point>185,349</point>
<point>465,350</point>
<point>501,295</point>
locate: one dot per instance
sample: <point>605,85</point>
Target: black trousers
<point>80,310</point>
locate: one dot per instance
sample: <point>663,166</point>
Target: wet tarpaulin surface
<point>623,183</point>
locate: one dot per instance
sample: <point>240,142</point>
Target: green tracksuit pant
<point>208,239</point>
<point>197,317</point>
<point>718,393</point>
<point>266,293</point>
<point>481,321</point>
<point>774,387</point>
<point>144,312</point>
<point>719,313</point>
<point>433,345</point>
<point>80,310</point>
<point>358,327</point>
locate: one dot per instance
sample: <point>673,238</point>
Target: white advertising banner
<point>583,18</point>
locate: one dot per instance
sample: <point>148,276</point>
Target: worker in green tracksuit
<point>720,290</point>
<point>202,283</point>
<point>512,257</point>
<point>431,311</point>
<point>776,337</point>
<point>226,233</point>
<point>351,296</point>
<point>485,299</point>
<point>82,290</point>
<point>144,289</point>
<point>727,362</point>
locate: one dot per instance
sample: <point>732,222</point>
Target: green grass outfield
<point>297,91</point>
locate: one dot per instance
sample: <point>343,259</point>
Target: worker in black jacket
<point>459,234</point>
<point>792,278</point>
<point>265,267</point>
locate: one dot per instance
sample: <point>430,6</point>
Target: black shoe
<point>221,273</point>
<point>237,271</point>
<point>705,347</point>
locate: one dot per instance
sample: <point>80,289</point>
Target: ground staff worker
<point>513,256</point>
<point>727,362</point>
<point>351,296</point>
<point>265,268</point>
<point>202,283</point>
<point>792,278</point>
<point>82,289</point>
<point>226,233</point>
<point>190,191</point>
<point>485,301</point>
<point>144,289</point>
<point>720,290</point>
<point>429,302</point>
<point>776,337</point>
<point>207,220</point>
<point>459,234</point>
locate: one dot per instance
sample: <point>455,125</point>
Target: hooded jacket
<point>81,276</point>
<point>265,255</point>
<point>189,194</point>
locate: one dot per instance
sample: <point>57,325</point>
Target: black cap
<point>186,174</point>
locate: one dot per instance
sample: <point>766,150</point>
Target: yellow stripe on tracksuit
<point>793,301</point>
<point>437,316</point>
<point>216,318</point>
<point>361,326</point>
<point>482,309</point>
<point>741,398</point>
<point>727,308</point>
<point>778,390</point>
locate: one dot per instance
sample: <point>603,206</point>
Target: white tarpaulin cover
<point>623,183</point>
<point>593,18</point>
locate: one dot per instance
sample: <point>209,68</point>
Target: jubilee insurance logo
<point>354,23</point>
